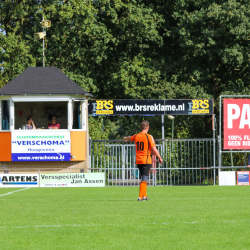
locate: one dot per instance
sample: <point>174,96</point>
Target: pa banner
<point>40,145</point>
<point>150,107</point>
<point>236,123</point>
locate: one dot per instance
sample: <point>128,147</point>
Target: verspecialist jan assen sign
<point>150,107</point>
<point>236,123</point>
<point>73,180</point>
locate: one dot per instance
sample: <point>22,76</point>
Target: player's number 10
<point>140,146</point>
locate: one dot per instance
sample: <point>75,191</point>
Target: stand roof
<point>42,81</point>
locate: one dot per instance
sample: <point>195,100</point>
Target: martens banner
<point>150,107</point>
<point>19,180</point>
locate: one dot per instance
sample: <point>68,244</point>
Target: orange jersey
<point>143,145</point>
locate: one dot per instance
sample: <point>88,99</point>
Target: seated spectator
<point>53,124</point>
<point>30,124</point>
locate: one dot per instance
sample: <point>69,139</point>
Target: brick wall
<point>64,166</point>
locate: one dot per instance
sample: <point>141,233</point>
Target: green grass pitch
<point>208,217</point>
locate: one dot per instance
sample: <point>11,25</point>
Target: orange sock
<point>143,189</point>
<point>140,193</point>
<point>144,193</point>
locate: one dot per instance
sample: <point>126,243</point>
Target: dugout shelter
<point>43,92</point>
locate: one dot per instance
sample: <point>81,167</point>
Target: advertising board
<point>73,180</point>
<point>40,146</point>
<point>150,107</point>
<point>19,180</point>
<point>243,178</point>
<point>227,178</point>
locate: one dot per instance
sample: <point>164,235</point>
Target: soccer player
<point>144,143</point>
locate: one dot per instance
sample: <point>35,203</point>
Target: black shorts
<point>144,168</point>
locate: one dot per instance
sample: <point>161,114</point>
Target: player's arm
<point>127,139</point>
<point>154,149</point>
<point>156,152</point>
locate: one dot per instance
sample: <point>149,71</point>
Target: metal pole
<point>173,129</point>
<point>162,127</point>
<point>214,121</point>
<point>43,49</point>
<point>90,153</point>
<point>232,164</point>
<point>219,139</point>
<point>172,134</point>
<point>245,160</point>
<point>163,133</point>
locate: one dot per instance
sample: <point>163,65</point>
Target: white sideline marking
<point>14,192</point>
<point>96,225</point>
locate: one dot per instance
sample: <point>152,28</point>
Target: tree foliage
<point>134,49</point>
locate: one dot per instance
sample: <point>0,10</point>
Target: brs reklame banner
<point>150,107</point>
<point>236,123</point>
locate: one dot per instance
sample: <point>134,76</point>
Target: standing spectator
<point>144,143</point>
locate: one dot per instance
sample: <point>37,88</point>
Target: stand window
<point>77,115</point>
<point>42,113</point>
<point>5,115</point>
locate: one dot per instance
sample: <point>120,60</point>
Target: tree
<point>134,49</point>
<point>16,19</point>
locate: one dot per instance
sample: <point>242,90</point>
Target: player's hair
<point>28,118</point>
<point>144,124</point>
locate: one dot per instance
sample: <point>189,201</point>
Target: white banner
<point>73,180</point>
<point>19,180</point>
<point>41,145</point>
